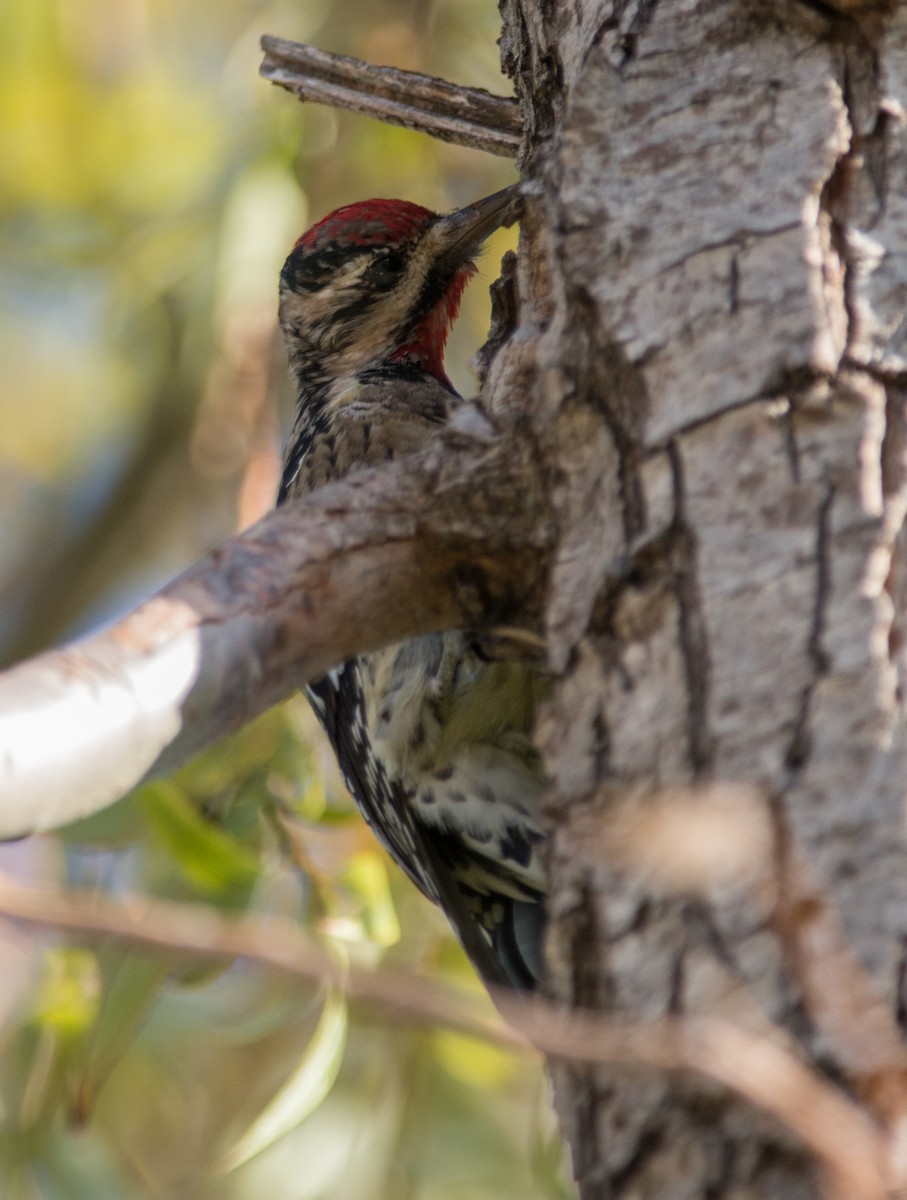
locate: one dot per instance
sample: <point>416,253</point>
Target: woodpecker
<point>433,736</point>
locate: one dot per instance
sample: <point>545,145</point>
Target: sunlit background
<point>150,186</point>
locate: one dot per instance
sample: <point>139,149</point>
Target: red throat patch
<point>430,335</point>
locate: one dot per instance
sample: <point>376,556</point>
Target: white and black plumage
<point>432,736</point>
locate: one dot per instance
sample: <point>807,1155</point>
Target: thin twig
<point>275,942</point>
<point>463,115</point>
<point>849,1147</point>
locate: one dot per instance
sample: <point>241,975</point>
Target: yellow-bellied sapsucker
<point>433,736</point>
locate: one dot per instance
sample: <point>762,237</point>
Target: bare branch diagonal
<point>443,540</point>
<point>453,113</point>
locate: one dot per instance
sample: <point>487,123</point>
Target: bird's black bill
<point>462,233</point>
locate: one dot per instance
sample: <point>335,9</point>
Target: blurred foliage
<point>150,185</point>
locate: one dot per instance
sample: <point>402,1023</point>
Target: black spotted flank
<point>515,846</point>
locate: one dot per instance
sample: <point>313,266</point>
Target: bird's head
<point>381,281</point>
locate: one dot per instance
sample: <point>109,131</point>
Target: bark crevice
<point>693,632</point>
<point>799,747</point>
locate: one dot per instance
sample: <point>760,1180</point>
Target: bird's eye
<point>386,269</point>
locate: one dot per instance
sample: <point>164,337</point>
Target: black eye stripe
<point>358,306</point>
<point>310,271</point>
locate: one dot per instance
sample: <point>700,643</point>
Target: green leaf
<point>132,982</point>
<point>306,1088</point>
<point>214,862</point>
<point>68,997</point>
<point>472,1061</point>
<point>366,876</point>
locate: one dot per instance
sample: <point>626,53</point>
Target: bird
<point>433,735</point>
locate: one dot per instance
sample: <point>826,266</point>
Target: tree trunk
<point>709,357</point>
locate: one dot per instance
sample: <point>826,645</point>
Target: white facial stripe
<point>356,339</point>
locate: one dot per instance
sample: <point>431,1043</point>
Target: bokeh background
<point>150,186</point>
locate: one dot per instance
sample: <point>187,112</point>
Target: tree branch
<point>463,115</point>
<point>440,541</point>
<point>850,1149</point>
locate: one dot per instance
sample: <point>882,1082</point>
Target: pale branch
<point>463,115</point>
<point>758,1068</point>
<point>440,541</point>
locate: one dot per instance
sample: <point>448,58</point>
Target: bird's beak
<point>459,235</point>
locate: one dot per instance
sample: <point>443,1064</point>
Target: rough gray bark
<point>710,356</point>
